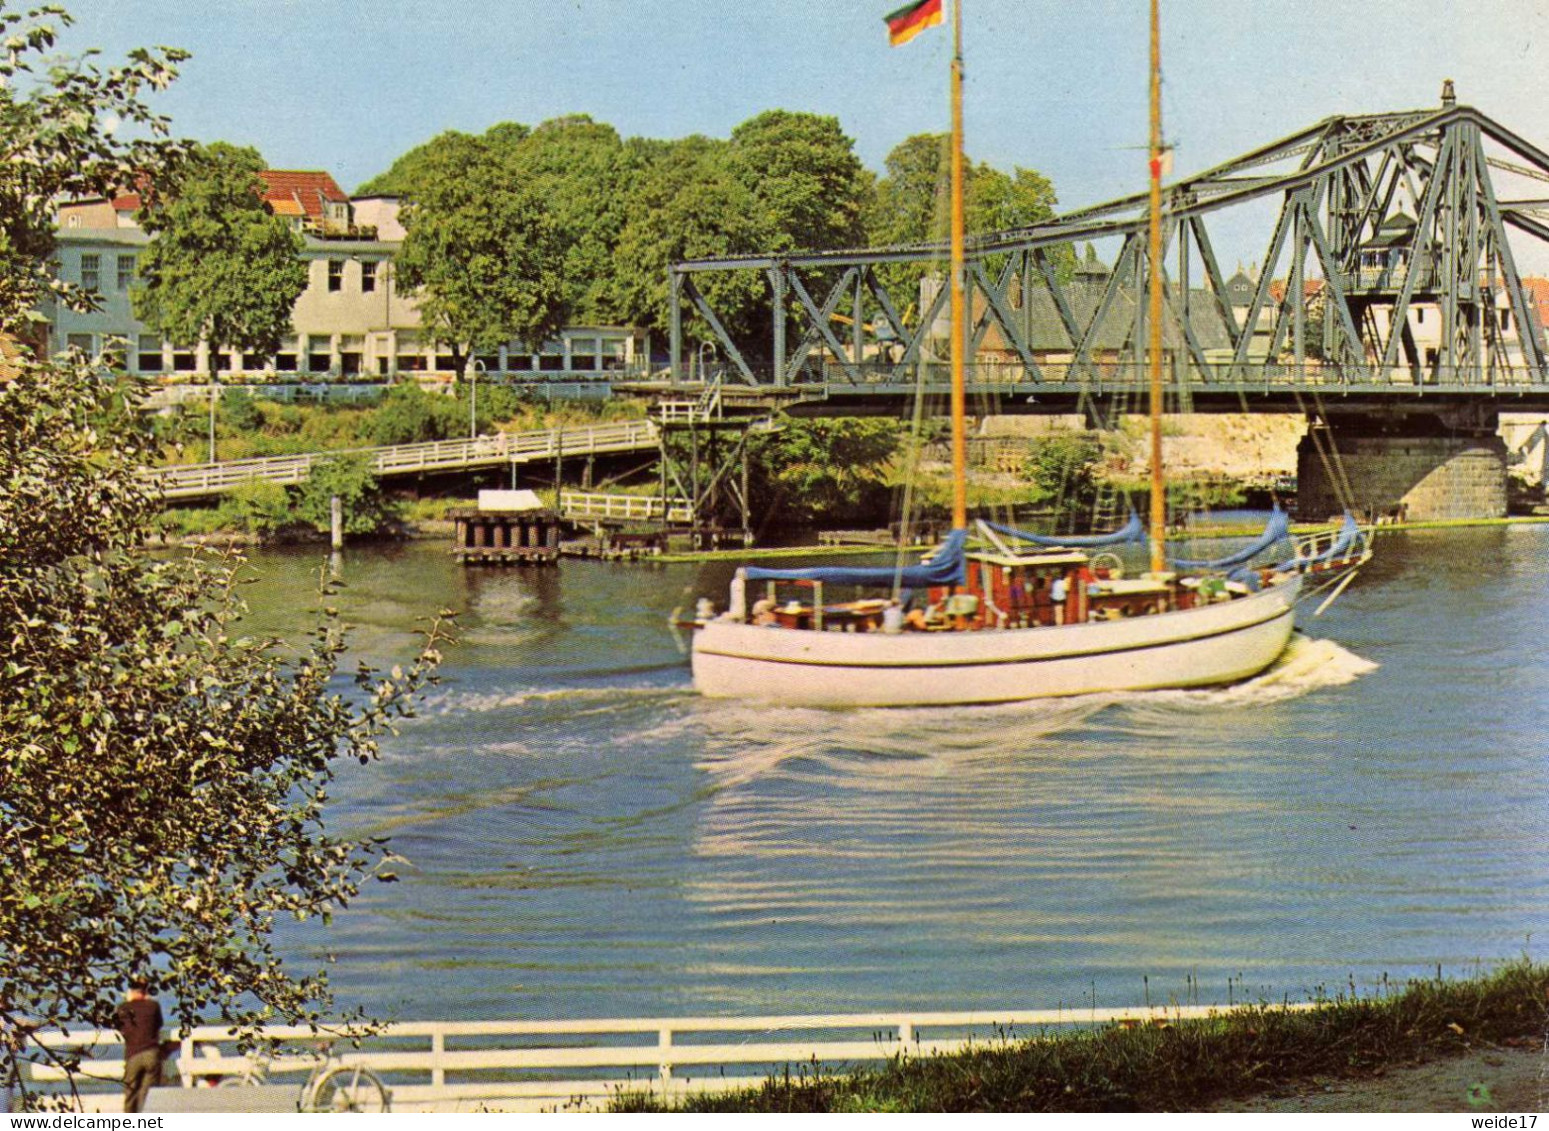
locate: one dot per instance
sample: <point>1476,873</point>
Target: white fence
<point>186,482</point>
<point>582,1065</point>
<point>622,508</point>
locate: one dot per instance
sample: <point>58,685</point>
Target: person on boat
<point>764,611</point>
<point>893,617</point>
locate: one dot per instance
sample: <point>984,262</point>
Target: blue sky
<point>347,85</point>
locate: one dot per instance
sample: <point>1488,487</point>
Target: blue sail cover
<point>1277,528</point>
<point>948,566</point>
<point>1131,531</point>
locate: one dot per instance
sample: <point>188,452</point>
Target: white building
<point>349,324</point>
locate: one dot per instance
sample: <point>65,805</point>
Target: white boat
<point>1016,616</point>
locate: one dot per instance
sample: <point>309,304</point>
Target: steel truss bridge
<point>1389,280</point>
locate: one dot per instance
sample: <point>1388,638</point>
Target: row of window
<point>368,275</point>
<point>91,272</point>
<point>313,354</point>
<point>92,266</point>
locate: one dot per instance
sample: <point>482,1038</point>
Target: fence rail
<point>535,1065</point>
<point>622,508</point>
<point>186,482</point>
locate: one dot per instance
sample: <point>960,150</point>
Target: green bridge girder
<point>1382,220</point>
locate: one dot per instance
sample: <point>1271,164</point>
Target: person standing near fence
<point>139,1023</point>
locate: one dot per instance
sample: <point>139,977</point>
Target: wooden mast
<point>1154,271</point>
<point>959,398</point>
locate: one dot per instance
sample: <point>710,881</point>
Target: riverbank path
<point>513,448</point>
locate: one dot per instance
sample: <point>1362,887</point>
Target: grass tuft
<point>1185,1065</point>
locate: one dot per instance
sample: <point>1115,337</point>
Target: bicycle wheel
<point>346,1087</point>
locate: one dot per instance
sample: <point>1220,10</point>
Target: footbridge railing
<point>607,507</point>
<point>583,1065</point>
<point>186,482</point>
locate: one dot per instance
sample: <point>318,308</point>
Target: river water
<point>587,838</point>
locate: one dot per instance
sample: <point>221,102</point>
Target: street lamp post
<point>473,399</point>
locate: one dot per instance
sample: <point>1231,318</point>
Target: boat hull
<point>1211,644</point>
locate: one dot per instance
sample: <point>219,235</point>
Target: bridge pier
<point>1412,464</point>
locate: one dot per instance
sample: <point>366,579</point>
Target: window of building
<point>115,352</point>
<point>1505,320</point>
<point>1420,316</point>
<point>519,363</point>
<point>490,362</point>
<point>253,363</point>
<point>125,271</point>
<point>184,360</point>
<point>551,364</point>
<point>319,353</point>
<point>147,358</point>
<point>226,361</point>
<point>368,270</point>
<point>445,363</point>
<point>285,359</point>
<point>91,272</point>
<point>79,343</point>
<point>336,274</point>
<point>352,354</point>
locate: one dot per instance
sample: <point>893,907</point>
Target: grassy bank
<point>1187,1065</point>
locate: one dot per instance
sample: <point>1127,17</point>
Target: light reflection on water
<point>589,838</point>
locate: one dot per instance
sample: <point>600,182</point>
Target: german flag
<point>906,23</point>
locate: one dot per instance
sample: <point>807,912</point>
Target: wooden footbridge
<point>503,449</point>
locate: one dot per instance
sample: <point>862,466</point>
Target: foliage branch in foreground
<point>163,777</point>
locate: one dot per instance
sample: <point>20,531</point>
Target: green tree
<point>221,267</point>
<point>911,204</point>
<point>689,204</point>
<point>1064,472</point>
<point>368,509</point>
<point>69,131</point>
<point>482,256</point>
<point>581,171</point>
<point>816,471</point>
<point>808,186</point>
<point>162,776</point>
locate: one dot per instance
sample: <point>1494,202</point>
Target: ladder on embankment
<point>447,1066</point>
<point>513,448</point>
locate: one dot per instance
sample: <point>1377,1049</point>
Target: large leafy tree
<point>911,205</point>
<point>807,184</point>
<point>482,257</point>
<point>689,204</point>
<point>581,171</point>
<point>220,267</point>
<point>64,128</point>
<point>162,777</point>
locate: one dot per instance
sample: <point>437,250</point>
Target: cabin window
<point>1505,320</point>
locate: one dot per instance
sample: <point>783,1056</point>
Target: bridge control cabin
<point>506,528</point>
